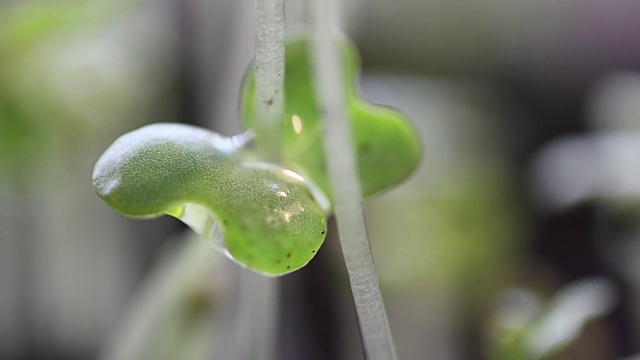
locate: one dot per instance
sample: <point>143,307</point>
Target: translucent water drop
<point>201,220</point>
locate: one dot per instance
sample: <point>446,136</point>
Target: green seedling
<point>387,145</point>
<point>269,219</point>
<point>263,216</point>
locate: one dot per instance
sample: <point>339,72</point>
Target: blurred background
<point>517,238</point>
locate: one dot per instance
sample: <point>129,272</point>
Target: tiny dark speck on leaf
<point>313,251</point>
<point>364,147</point>
<point>322,232</point>
<point>288,267</point>
<point>270,102</point>
<point>288,255</point>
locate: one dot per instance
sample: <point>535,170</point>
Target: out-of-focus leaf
<point>25,23</point>
<point>173,316</point>
<point>542,332</point>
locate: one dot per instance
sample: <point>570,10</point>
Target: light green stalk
<point>269,75</point>
<point>345,185</point>
<point>259,295</point>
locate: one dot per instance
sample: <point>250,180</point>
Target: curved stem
<point>345,185</point>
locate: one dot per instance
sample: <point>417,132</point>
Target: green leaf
<point>387,144</point>
<point>269,218</point>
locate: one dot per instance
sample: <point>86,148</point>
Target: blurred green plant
<point>174,314</point>
<point>34,113</point>
<point>525,328</point>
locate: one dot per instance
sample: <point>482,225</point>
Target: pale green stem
<point>269,77</point>
<point>257,317</point>
<point>259,295</point>
<point>345,186</point>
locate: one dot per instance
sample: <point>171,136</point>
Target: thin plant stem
<point>345,185</point>
<point>259,295</point>
<point>257,317</point>
<point>269,77</point>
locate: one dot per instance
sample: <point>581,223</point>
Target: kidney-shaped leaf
<point>269,219</point>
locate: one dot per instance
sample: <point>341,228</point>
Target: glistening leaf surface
<point>269,218</point>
